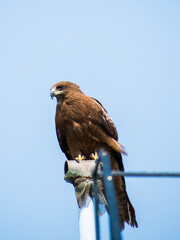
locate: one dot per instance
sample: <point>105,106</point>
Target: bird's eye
<point>60,87</point>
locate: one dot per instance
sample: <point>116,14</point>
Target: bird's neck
<point>69,98</point>
<point>60,98</point>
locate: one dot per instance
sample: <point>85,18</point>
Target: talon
<point>80,158</point>
<point>101,164</point>
<point>94,156</point>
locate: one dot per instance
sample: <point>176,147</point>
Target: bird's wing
<point>125,209</point>
<point>104,125</point>
<point>105,121</point>
<point>63,145</point>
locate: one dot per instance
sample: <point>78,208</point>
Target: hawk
<point>83,126</point>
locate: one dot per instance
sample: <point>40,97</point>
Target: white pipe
<point>84,168</point>
<point>87,221</point>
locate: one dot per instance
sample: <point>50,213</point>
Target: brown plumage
<point>83,127</point>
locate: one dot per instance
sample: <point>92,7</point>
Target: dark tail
<point>125,208</point>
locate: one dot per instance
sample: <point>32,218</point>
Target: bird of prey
<point>83,126</point>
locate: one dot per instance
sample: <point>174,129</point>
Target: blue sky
<point>124,53</point>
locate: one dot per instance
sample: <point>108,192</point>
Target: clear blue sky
<point>124,53</point>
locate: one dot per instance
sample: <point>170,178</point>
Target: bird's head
<point>61,89</point>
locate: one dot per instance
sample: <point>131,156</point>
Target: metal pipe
<point>83,168</point>
<point>110,196</point>
<point>143,174</point>
<point>86,221</point>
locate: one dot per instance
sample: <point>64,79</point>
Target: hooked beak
<point>52,93</point>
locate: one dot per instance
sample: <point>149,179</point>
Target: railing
<point>107,174</point>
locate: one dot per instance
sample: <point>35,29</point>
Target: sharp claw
<point>101,164</point>
<point>94,156</point>
<point>80,158</point>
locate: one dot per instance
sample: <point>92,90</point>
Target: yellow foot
<point>80,158</point>
<point>94,156</point>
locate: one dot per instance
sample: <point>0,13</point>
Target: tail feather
<point>116,146</point>
<point>125,208</point>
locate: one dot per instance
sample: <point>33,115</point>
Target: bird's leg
<point>94,156</point>
<point>80,158</point>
